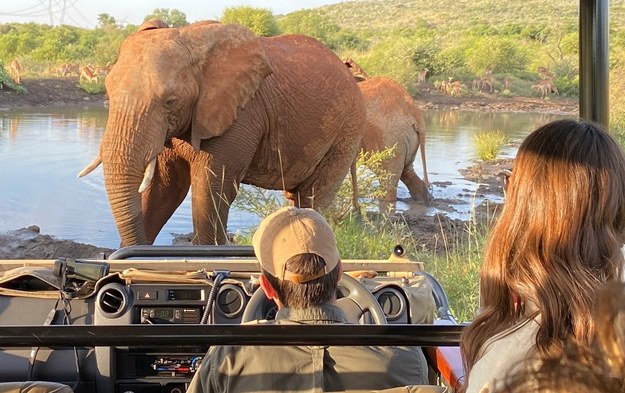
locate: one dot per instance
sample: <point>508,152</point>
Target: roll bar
<point>207,335</point>
<point>594,61</point>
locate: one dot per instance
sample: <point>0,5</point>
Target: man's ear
<point>268,288</point>
<point>340,267</point>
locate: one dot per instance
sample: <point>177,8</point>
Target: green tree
<point>393,58</point>
<point>503,54</point>
<point>310,23</point>
<point>106,21</point>
<point>260,20</point>
<point>174,18</point>
<point>61,42</point>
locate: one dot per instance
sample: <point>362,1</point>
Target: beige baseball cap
<point>291,231</point>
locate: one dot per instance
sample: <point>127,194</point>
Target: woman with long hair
<point>558,239</point>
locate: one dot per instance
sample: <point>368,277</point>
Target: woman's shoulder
<point>502,353</point>
<point>523,333</point>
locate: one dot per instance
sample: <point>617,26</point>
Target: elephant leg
<point>216,175</point>
<point>355,192</point>
<point>212,195</point>
<point>417,188</point>
<point>168,189</point>
<point>318,190</point>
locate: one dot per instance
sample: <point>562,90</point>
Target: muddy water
<point>42,150</point>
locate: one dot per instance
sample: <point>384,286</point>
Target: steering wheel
<point>355,304</point>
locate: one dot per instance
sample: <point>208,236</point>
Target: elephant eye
<point>171,101</point>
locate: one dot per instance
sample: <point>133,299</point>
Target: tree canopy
<point>260,20</point>
<point>174,18</point>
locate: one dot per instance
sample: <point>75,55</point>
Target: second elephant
<point>393,119</point>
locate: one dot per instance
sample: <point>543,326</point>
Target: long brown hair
<point>558,238</point>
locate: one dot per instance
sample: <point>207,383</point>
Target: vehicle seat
<point>414,389</point>
<point>34,387</point>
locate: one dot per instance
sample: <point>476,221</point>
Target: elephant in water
<point>393,119</point>
<point>210,106</point>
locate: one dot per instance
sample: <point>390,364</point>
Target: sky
<point>84,13</point>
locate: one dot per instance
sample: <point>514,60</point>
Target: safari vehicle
<point>142,319</point>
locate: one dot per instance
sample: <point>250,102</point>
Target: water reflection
<point>42,150</point>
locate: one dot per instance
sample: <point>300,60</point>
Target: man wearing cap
<point>301,269</point>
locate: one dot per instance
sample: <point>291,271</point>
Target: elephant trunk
<point>128,153</point>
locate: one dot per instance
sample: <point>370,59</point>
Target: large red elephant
<point>209,106</point>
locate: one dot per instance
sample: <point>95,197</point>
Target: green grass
<point>458,270</point>
<point>488,144</point>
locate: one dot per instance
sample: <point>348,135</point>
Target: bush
<point>93,87</point>
<point>260,20</point>
<point>503,54</point>
<point>488,144</point>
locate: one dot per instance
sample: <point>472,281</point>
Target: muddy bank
<point>50,92</point>
<point>29,243</point>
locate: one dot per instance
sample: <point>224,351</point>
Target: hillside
<point>457,15</point>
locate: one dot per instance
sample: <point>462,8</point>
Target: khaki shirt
<point>308,368</point>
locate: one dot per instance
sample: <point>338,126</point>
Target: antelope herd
<point>487,82</point>
<point>84,72</point>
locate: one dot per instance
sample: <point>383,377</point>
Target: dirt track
<point>27,243</point>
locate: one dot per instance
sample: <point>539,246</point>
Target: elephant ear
<point>232,64</point>
<point>152,24</point>
<point>357,71</point>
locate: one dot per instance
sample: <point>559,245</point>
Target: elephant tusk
<point>148,175</point>
<point>89,168</point>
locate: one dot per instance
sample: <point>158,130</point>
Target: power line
<point>19,12</point>
<point>57,11</point>
<point>73,5</point>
